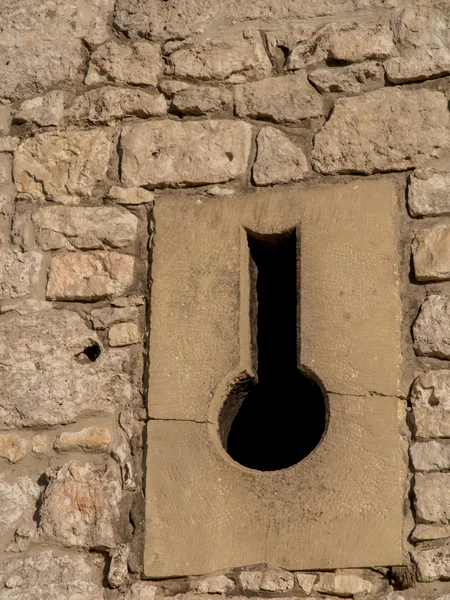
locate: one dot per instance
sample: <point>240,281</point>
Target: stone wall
<point>106,105</point>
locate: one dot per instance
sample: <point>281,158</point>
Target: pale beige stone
<point>389,129</point>
<point>89,439</point>
<point>94,276</point>
<point>433,563</point>
<point>54,165</point>
<point>286,37</point>
<point>430,398</point>
<point>174,153</point>
<point>216,190</point>
<point>202,100</point>
<point>432,497</point>
<point>108,104</point>
<point>430,456</point>
<point>352,79</point>
<point>43,110</point>
<point>431,330</point>
<point>9,143</point>
<point>428,193</point>
<point>131,195</point>
<point>94,19</point>
<point>219,57</point>
<point>423,64</point>
<point>124,334</point>
<point>101,318</point>
<point>18,498</point>
<point>13,447</point>
<point>306,581</point>
<point>285,99</point>
<point>39,443</point>
<point>278,160</point>
<point>80,506</point>
<point>423,533</point>
<point>342,585</point>
<point>141,590</point>
<point>170,87</point>
<point>118,567</point>
<point>431,253</point>
<point>85,227</point>
<point>52,576</point>
<point>216,584</point>
<point>5,119</point>
<point>136,63</point>
<point>18,272</point>
<point>270,580</point>
<point>44,352</point>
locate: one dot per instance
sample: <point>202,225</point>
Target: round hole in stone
<point>91,352</point>
<point>433,400</point>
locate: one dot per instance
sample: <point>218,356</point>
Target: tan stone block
<point>43,110</point>
<point>423,533</point>
<point>430,456</point>
<point>352,79</point>
<point>101,318</point>
<point>306,581</point>
<point>12,447</point>
<point>428,193</point>
<point>132,195</point>
<point>278,160</point>
<point>431,329</point>
<point>39,443</point>
<point>141,590</point>
<point>18,498</point>
<point>433,563</point>
<point>337,584</point>
<point>430,398</point>
<point>89,439</point>
<point>216,584</point>
<point>202,100</point>
<point>432,497</point>
<point>430,251</point>
<point>124,334</point>
<point>270,580</point>
<point>18,272</point>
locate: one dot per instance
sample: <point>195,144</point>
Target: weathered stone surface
<point>65,164</point>
<point>421,32</point>
<point>136,63</point>
<point>285,99</point>
<point>80,506</point>
<point>216,584</point>
<point>222,56</point>
<point>94,276</point>
<point>306,581</point>
<point>39,443</point>
<point>433,563</point>
<point>269,580</point>
<point>141,590</point>
<point>5,119</point>
<point>85,228</point>
<point>174,153</point>
<point>43,110</point>
<point>430,398</point>
<point>428,193</point>
<point>118,567</point>
<point>132,195</point>
<point>124,334</point>
<point>45,379</point>
<point>12,447</point>
<point>18,499</point>
<point>101,318</point>
<point>9,143</point>
<point>431,253</point>
<point>430,456</point>
<point>432,497</point>
<point>431,330</point>
<point>108,104</point>
<point>352,79</point>
<point>285,37</point>
<point>389,129</point>
<point>89,439</point>
<point>424,533</point>
<point>18,272</point>
<point>50,576</point>
<point>202,100</point>
<point>278,160</point>
<point>342,585</point>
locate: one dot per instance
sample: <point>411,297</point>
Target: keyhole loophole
<point>279,420</point>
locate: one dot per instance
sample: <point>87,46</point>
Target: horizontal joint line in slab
<point>179,420</point>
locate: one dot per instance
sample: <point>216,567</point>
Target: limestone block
<point>430,398</point>
<point>216,584</point>
<point>12,447</point>
<point>51,576</point>
<point>65,164</point>
<point>101,318</point>
<point>141,590</point>
<point>431,330</point>
<point>173,153</point>
<point>219,57</point>
<point>430,456</point>
<point>285,99</point>
<point>118,567</point>
<point>269,580</point>
<point>5,119</point>
<point>432,497</point>
<point>433,563</point>
<point>18,272</point>
<point>342,585</point>
<point>428,193</point>
<point>202,100</point>
<point>306,581</point>
<point>89,439</point>
<point>84,227</point>
<point>94,20</point>
<point>278,160</point>
<point>136,63</point>
<point>48,380</point>
<point>431,253</point>
<point>39,443</point>
<point>94,276</point>
<point>80,506</point>
<point>108,104</point>
<point>385,130</point>
<point>9,143</point>
<point>124,334</point>
<point>423,533</point>
<point>352,79</point>
<point>18,499</point>
<point>286,37</point>
<point>43,110</point>
<point>131,195</point>
<point>423,64</point>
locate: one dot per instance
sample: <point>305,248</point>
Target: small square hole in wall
<point>274,366</point>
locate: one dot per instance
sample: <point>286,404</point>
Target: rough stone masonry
<point>106,105</point>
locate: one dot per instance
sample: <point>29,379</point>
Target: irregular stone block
<point>18,272</point>
<point>108,104</point>
<point>65,164</point>
<point>352,79</point>
<point>44,352</point>
<point>285,99</point>
<point>132,195</point>
<point>101,318</point>
<point>202,100</point>
<point>432,497</point>
<point>89,439</point>
<point>5,119</point>
<point>85,227</point>
<point>431,253</point>
<point>342,585</point>
<point>51,576</point>
<point>173,153</point>
<point>433,563</point>
<point>39,443</point>
<point>136,63</point>
<point>306,581</point>
<point>222,56</point>
<point>430,398</point>
<point>423,533</point>
<point>9,143</point>
<point>278,160</point>
<point>12,447</point>
<point>428,193</point>
<point>43,110</point>
<point>141,590</point>
<point>269,580</point>
<point>17,499</point>
<point>286,37</point>
<point>80,507</point>
<point>124,334</point>
<point>389,129</point>
<point>217,584</point>
<point>431,330</point>
<point>118,567</point>
<point>94,276</point>
<point>430,456</point>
